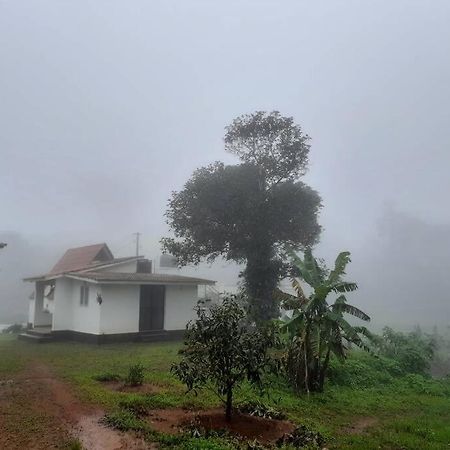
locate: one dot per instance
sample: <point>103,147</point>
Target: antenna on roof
<point>137,234</point>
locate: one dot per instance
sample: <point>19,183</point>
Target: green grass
<point>410,412</point>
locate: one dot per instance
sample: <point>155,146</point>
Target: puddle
<point>96,436</point>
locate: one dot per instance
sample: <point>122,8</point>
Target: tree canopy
<point>250,211</point>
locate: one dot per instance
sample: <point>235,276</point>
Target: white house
<point>89,295</point>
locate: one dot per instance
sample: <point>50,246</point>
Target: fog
<point>106,107</point>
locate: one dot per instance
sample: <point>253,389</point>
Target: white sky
<point>108,106</point>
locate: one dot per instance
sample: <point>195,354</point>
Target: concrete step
<point>37,332</point>
<point>40,339</point>
<point>152,336</point>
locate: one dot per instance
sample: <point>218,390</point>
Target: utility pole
<point>137,234</point>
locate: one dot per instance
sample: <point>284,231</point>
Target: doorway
<point>151,307</point>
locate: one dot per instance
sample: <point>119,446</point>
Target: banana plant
<point>318,329</point>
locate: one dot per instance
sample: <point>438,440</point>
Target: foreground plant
<point>135,375</point>
<point>222,350</point>
<point>318,329</point>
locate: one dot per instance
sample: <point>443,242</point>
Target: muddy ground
<point>39,411</point>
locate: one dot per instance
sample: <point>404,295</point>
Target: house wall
<point>63,307</point>
<point>69,314</point>
<point>180,303</point>
<point>119,309</point>
<point>86,319</point>
<point>41,318</point>
<point>31,304</point>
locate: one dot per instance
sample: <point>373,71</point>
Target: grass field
<point>365,406</point>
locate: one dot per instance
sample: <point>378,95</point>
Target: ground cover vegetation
<point>371,401</point>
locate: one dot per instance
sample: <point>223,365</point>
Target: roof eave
<point>43,278</point>
<point>165,283</point>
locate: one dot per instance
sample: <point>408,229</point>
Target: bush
<point>14,329</point>
<point>135,375</point>
<point>137,405</point>
<point>259,409</point>
<point>107,376</point>
<point>123,421</point>
<point>73,444</point>
<point>302,437</point>
<point>222,349</point>
<point>413,351</point>
<point>363,370</point>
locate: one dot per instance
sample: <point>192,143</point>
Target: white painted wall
<point>69,314</point>
<point>86,318</point>
<point>31,311</point>
<point>41,318</point>
<point>63,307</point>
<point>180,303</point>
<point>120,309</point>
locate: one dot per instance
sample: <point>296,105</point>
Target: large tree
<point>249,212</point>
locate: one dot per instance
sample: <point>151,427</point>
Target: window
<point>84,295</point>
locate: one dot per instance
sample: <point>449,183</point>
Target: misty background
<point>107,106</point>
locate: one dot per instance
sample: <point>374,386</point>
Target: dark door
<point>151,308</point>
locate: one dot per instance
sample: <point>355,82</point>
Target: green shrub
<point>414,351</point>
<point>73,444</point>
<point>135,375</point>
<point>364,370</point>
<point>14,329</point>
<point>223,350</point>
<point>137,405</point>
<point>107,376</point>
<point>123,421</point>
<point>259,409</point>
<point>302,437</point>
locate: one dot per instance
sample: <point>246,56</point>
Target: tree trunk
<point>261,277</point>
<point>229,404</point>
<point>323,371</point>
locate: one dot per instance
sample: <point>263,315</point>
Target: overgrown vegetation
<point>14,329</point>
<point>107,376</point>
<point>303,437</point>
<point>222,350</point>
<point>413,351</point>
<point>318,330</point>
<point>259,409</point>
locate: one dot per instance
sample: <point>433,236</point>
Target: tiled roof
<point>89,267</point>
<point>81,257</point>
<point>125,277</point>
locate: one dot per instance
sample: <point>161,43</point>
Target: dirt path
<point>39,411</point>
